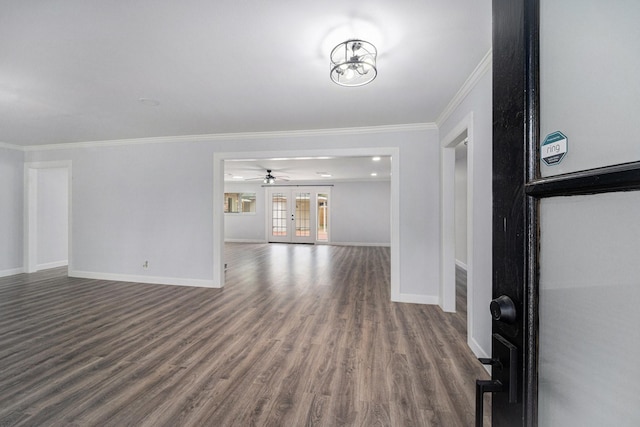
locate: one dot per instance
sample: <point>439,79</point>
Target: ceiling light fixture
<point>353,63</point>
<point>376,159</point>
<point>269,179</point>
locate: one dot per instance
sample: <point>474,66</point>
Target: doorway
<point>218,201</point>
<point>47,215</point>
<point>460,213</point>
<point>297,215</point>
<point>457,201</point>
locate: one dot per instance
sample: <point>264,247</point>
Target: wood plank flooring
<point>301,335</point>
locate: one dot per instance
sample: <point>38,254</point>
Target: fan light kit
<point>353,63</point>
<point>269,179</point>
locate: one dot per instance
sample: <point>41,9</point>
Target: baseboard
<point>461,265</point>
<point>244,241</point>
<point>176,281</point>
<point>359,244</point>
<point>11,272</point>
<point>54,264</point>
<point>416,299</point>
<point>478,351</point>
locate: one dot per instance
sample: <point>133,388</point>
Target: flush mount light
<point>376,159</point>
<point>353,63</point>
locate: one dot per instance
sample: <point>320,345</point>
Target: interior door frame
<point>218,201</point>
<point>30,255</point>
<point>447,219</point>
<point>517,190</point>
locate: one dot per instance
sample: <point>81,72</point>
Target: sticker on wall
<point>554,148</point>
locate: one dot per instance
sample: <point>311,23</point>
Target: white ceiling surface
<point>75,70</point>
<point>297,169</point>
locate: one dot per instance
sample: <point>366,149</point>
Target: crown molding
<point>11,146</point>
<point>412,127</point>
<point>483,67</point>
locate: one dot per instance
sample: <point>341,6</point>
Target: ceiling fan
<point>269,178</point>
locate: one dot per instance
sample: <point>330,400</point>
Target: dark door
<point>566,209</point>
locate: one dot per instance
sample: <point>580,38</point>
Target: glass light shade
<point>353,63</point>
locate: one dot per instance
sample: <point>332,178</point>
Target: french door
<point>566,197</point>
<point>292,214</point>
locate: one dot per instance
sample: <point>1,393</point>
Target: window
<point>323,217</point>
<point>278,214</point>
<point>240,203</point>
<point>303,214</point>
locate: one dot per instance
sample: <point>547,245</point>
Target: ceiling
<point>89,70</point>
<point>310,169</point>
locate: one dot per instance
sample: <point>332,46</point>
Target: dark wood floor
<point>300,335</point>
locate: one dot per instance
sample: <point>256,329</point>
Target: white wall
<point>479,102</point>
<point>11,211</point>
<point>153,201</point>
<point>361,213</point>
<point>246,227</point>
<point>52,217</point>
<point>139,203</point>
<point>461,204</point>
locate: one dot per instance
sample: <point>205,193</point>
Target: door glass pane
<point>589,356</point>
<point>303,214</point>
<point>278,214</point>
<point>589,84</point>
<point>323,217</point>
